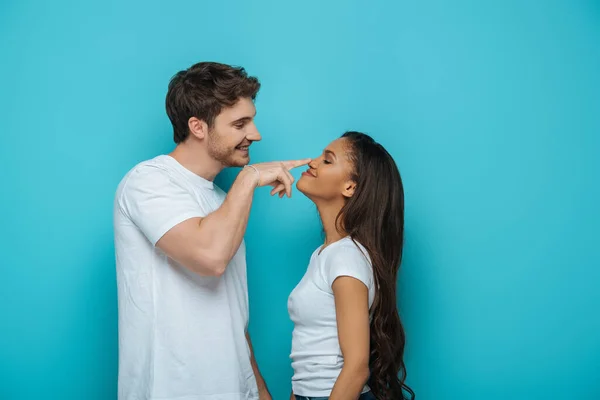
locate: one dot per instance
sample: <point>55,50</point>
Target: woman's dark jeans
<point>364,396</point>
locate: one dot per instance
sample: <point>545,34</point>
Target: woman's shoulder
<point>346,257</point>
<point>345,254</point>
<point>351,248</point>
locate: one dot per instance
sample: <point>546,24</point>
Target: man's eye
<point>239,126</point>
<point>327,162</point>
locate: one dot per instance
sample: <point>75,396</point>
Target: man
<point>181,264</point>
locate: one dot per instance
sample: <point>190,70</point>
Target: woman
<point>348,341</point>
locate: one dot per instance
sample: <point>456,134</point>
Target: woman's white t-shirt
<point>316,355</point>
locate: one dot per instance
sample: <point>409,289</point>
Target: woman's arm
<point>352,314</point>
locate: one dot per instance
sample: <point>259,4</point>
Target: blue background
<point>491,109</point>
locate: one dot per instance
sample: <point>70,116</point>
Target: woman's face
<point>328,177</point>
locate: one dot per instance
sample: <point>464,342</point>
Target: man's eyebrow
<point>244,119</point>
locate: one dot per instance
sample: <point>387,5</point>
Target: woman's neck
<point>328,214</point>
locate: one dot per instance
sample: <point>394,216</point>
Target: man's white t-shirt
<point>316,354</point>
<point>181,335</point>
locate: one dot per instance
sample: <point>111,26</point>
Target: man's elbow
<point>209,264</point>
<point>218,267</point>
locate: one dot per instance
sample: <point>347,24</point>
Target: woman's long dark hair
<point>374,217</point>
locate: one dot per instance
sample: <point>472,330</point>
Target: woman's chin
<point>301,186</point>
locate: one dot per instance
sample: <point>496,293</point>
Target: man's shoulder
<point>220,192</point>
<point>148,172</point>
<point>156,165</point>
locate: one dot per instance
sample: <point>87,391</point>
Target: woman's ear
<point>349,188</point>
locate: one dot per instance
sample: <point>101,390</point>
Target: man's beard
<point>227,156</point>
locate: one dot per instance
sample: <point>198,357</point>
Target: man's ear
<point>198,128</point>
<point>349,189</point>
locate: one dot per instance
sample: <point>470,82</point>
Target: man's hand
<point>264,394</point>
<point>263,391</point>
<point>276,174</point>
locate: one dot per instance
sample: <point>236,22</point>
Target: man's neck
<point>197,160</point>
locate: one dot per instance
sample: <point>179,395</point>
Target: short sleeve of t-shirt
<point>155,202</point>
<point>348,260</point>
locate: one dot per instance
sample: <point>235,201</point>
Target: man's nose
<point>253,134</point>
